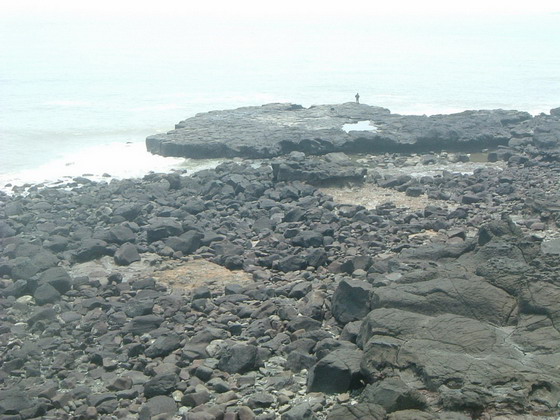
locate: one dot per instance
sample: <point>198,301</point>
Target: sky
<point>286,8</point>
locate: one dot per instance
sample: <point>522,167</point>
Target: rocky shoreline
<point>277,129</point>
<point>288,288</point>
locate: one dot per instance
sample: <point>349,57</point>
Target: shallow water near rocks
<point>360,126</point>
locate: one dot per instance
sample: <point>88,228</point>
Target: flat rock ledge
<point>276,129</point>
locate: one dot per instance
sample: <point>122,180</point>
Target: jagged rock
<point>393,395</point>
<point>157,406</point>
<point>351,300</point>
<point>163,227</point>
<point>239,358</point>
<point>57,277</point>
<point>160,385</point>
<point>337,372</point>
<point>467,296</point>
<point>163,346</point>
<point>442,347</point>
<point>91,249</point>
<point>127,254</point>
<point>45,293</point>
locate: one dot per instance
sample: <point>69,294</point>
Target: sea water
<point>79,96</point>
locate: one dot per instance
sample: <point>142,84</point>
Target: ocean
<point>79,96</point>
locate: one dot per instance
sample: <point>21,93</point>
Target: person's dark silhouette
<point>357,98</point>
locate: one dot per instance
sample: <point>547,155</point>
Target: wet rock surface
<point>236,293</point>
<point>276,129</point>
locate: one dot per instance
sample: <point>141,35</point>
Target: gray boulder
<point>127,254</point>
<point>46,293</point>
<point>457,352</point>
<point>162,384</point>
<point>57,277</point>
<point>393,395</point>
<point>239,358</point>
<point>351,300</point>
<point>163,227</point>
<point>187,243</point>
<point>91,249</point>
<point>163,346</point>
<point>337,372</point>
<point>469,296</point>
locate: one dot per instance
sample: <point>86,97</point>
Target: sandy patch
<point>370,196</point>
<point>178,275</point>
<point>192,274</point>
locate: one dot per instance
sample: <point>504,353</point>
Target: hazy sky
<point>254,8</point>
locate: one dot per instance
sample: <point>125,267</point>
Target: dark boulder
<point>91,249</point>
<point>337,372</point>
<point>144,323</point>
<point>127,254</point>
<point>163,227</point>
<point>351,300</point>
<point>187,243</point>
<point>239,358</point>
<point>393,395</point>
<point>46,293</point>
<point>163,346</point>
<point>162,384</point>
<point>160,406</point>
<point>57,277</point>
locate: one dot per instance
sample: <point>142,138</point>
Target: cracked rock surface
<point>276,129</point>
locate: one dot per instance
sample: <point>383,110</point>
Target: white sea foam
<point>119,160</point>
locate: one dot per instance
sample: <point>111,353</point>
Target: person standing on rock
<point>357,98</point>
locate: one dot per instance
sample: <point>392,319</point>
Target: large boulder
<point>57,277</point>
<point>465,355</point>
<point>127,254</point>
<point>469,296</point>
<point>163,227</point>
<point>239,358</point>
<point>351,300</point>
<point>337,372</point>
<point>91,249</point>
<point>187,243</point>
<point>393,395</point>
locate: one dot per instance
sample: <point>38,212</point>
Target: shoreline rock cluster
<point>338,311</point>
<point>277,129</point>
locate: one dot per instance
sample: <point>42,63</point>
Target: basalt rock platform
<point>276,129</point>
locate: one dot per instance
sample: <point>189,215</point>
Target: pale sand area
<point>370,196</point>
<point>179,275</point>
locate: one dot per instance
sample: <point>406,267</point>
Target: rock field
<point>417,286</point>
